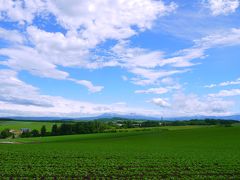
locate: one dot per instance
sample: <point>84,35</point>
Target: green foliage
<point>5,134</point>
<point>55,130</point>
<point>150,124</point>
<point>43,130</point>
<point>79,128</point>
<point>35,133</point>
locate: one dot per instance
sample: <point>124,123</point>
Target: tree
<point>5,133</point>
<point>66,129</point>
<point>26,134</point>
<point>54,130</point>
<point>35,133</point>
<point>43,130</point>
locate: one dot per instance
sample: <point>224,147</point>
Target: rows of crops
<point>212,152</point>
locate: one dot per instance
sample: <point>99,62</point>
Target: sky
<point>159,58</point>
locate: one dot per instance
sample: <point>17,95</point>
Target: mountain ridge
<point>124,116</point>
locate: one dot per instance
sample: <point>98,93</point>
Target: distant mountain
<point>232,117</point>
<point>124,116</point>
<point>103,116</point>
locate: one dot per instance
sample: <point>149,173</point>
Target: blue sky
<point>85,58</point>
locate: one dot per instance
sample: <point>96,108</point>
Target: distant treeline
<point>201,122</point>
<point>69,129</point>
<point>96,126</point>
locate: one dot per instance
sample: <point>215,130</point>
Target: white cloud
<point>222,7</point>
<point>210,86</point>
<point>87,26</point>
<point>65,50</point>
<point>184,58</point>
<point>20,11</point>
<point>13,90</point>
<point>89,85</point>
<point>145,64</point>
<point>194,105</point>
<point>27,58</point>
<point>168,81</point>
<point>113,20</point>
<point>136,57</point>
<point>226,83</point>
<point>160,102</point>
<point>160,90</point>
<point>151,76</point>
<point>20,98</point>
<point>226,93</point>
<point>229,37</point>
<point>11,35</point>
<point>182,104</point>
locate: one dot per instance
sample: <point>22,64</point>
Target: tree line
<point>68,129</point>
<point>96,126</point>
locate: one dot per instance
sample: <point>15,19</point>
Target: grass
<point>17,125</point>
<point>182,153</point>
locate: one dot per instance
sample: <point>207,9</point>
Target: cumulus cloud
<point>145,64</point>
<point>29,59</point>
<point>226,93</point>
<point>11,35</point>
<point>86,27</point>
<point>181,104</point>
<point>13,90</point>
<point>222,7</point>
<point>20,98</point>
<point>20,11</point>
<point>65,50</point>
<point>99,25</point>
<point>160,102</point>
<point>136,57</point>
<point>194,105</point>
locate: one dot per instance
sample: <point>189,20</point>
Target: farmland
<point>24,124</point>
<point>179,153</point>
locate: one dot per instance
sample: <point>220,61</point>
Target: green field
<point>180,153</point>
<point>17,125</point>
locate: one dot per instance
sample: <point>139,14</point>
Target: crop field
<point>180,153</point>
<point>17,125</point>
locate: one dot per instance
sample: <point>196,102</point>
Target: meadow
<point>209,152</point>
<point>17,125</point>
